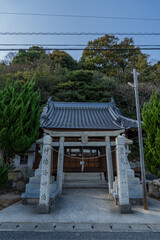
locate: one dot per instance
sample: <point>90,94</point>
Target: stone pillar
<point>123,193</point>
<point>44,198</point>
<point>60,164</point>
<point>109,164</point>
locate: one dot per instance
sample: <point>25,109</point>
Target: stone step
<point>38,172</point>
<point>130,172</point>
<point>133,180</point>
<point>35,188</point>
<point>35,195</point>
<point>36,180</point>
<point>83,176</point>
<point>83,184</point>
<point>84,181</point>
<point>135,190</point>
<point>83,173</point>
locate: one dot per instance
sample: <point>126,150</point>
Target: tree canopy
<point>28,56</point>
<point>115,63</point>
<point>63,59</point>
<point>98,75</point>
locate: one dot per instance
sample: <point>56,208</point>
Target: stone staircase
<point>32,191</point>
<point>84,180</point>
<point>134,188</point>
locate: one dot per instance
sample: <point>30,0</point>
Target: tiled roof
<point>70,115</point>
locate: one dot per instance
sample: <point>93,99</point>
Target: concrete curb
<point>78,227</point>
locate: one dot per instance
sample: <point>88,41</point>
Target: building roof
<point>72,115</point>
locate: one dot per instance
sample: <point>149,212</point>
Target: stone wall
<point>154,188</point>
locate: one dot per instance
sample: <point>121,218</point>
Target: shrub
<point>3,175</point>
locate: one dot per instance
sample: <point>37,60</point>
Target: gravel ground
<point>7,199</point>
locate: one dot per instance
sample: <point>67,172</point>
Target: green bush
<point>3,175</point>
<point>151,125</point>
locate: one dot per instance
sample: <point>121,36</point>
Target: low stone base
<point>35,201</point>
<point>30,201</point>
<point>125,209</point>
<point>43,209</point>
<point>132,201</point>
<point>136,201</point>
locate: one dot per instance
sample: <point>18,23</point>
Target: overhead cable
<point>74,44</point>
<point>79,16</point>
<point>81,49</point>
<point>82,33</point>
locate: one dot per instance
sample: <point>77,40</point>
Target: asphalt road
<point>78,236</point>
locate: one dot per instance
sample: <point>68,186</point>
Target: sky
<point>114,8</point>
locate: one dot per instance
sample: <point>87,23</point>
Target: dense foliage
<point>3,174</point>
<point>118,64</point>
<point>96,77</point>
<point>151,125</point>
<point>19,118</point>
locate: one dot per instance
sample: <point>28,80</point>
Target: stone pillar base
<point>43,209</point>
<point>125,209</point>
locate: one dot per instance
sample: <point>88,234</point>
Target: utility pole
<point>143,175</point>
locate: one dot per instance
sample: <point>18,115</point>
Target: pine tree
<point>19,118</point>
<point>151,124</point>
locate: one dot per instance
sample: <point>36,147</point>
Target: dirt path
<point>7,199</point>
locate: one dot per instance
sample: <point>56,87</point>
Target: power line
<point>79,34</point>
<point>80,49</point>
<point>79,16</point>
<point>66,45</point>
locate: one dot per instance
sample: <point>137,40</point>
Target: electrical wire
<point>79,49</point>
<point>66,45</point>
<point>79,16</point>
<point>81,33</point>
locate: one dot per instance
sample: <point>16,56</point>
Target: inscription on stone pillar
<point>45,175</point>
<point>122,171</point>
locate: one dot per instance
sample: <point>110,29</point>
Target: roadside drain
<point>79,227</point>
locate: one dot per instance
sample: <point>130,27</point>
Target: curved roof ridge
<point>80,105</point>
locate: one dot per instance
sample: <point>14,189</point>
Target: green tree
<point>115,63</point>
<point>154,72</point>
<point>28,56</point>
<point>151,125</point>
<point>85,85</point>
<point>3,174</point>
<point>19,118</point>
<point>75,86</point>
<point>63,59</point>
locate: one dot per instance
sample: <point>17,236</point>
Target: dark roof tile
<point>70,115</point>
